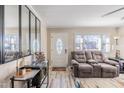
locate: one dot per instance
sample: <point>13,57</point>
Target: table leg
<point>47,82</point>
<point>47,78</point>
<point>12,82</point>
<point>28,83</point>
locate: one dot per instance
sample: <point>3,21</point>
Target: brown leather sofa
<point>88,64</point>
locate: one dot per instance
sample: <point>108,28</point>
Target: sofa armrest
<point>114,63</point>
<point>114,59</point>
<point>74,62</point>
<point>111,62</point>
<point>75,65</point>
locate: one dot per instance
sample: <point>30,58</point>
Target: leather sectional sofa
<point>87,64</point>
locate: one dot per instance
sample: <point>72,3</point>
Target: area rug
<point>58,68</point>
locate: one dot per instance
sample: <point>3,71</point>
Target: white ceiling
<point>81,15</point>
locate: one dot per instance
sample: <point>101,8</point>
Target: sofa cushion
<point>92,61</point>
<point>98,56</point>
<point>88,55</point>
<point>84,67</point>
<point>108,68</point>
<point>79,56</point>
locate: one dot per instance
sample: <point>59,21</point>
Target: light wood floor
<point>64,79</point>
<point>60,79</point>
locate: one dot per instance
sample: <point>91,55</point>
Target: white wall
<point>10,67</point>
<point>44,38</point>
<point>88,30</point>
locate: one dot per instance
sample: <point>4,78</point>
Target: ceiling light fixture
<point>122,18</point>
<point>113,12</point>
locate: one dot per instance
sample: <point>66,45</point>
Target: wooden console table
<point>29,76</point>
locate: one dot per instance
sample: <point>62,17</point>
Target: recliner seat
<point>81,68</point>
<point>83,65</point>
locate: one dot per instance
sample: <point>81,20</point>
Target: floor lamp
<point>117,54</point>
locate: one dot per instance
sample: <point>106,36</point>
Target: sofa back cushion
<point>98,56</point>
<point>88,55</point>
<point>79,56</point>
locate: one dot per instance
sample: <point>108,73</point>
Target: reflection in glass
<point>38,36</point>
<point>59,46</point>
<point>11,40</point>
<point>33,40</point>
<point>35,45</point>
<point>25,31</point>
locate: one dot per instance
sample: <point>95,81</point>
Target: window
<point>59,46</point>
<point>92,42</point>
<point>79,42</point>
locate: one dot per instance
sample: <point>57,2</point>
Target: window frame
<point>2,31</point>
<point>82,35</point>
<point>1,34</point>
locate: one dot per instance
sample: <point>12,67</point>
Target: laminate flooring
<point>64,79</point>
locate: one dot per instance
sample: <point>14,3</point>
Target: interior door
<point>59,49</point>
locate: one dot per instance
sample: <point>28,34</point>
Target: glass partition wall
<point>33,36</point>
<point>25,31</point>
<point>11,32</point>
<point>19,32</point>
<point>38,36</point>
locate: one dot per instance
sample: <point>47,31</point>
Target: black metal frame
<point>35,28</point>
<point>40,34</point>
<point>20,31</point>
<point>2,59</point>
<point>30,32</point>
<point>36,31</point>
<point>1,34</point>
